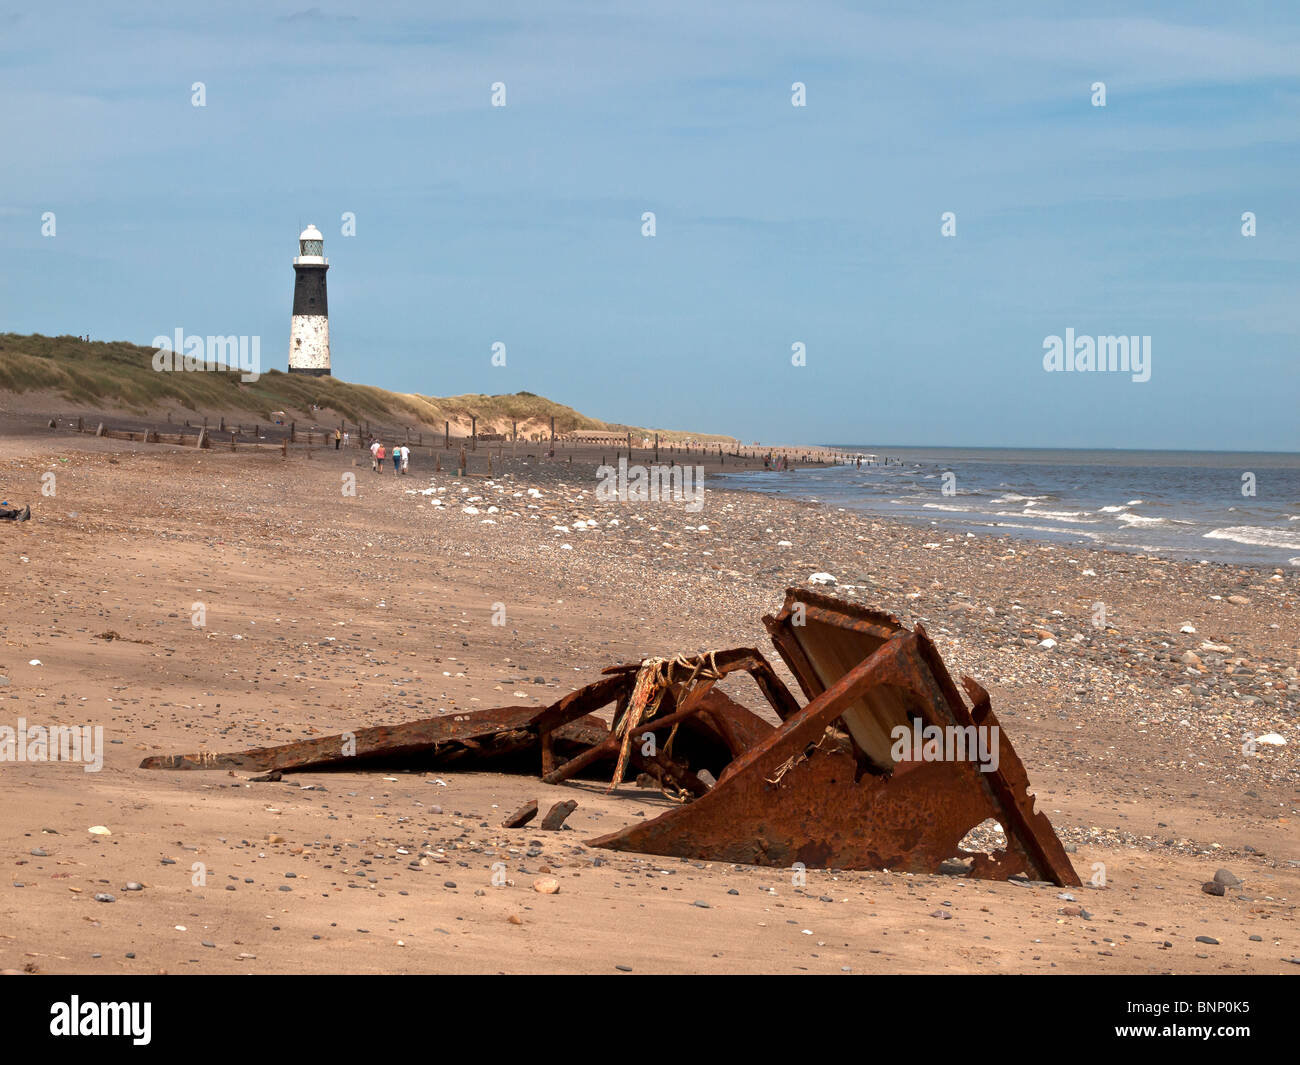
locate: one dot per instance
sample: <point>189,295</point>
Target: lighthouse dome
<point>311,247</point>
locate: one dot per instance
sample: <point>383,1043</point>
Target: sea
<point>1241,508</point>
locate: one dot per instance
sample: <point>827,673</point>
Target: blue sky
<point>775,224</point>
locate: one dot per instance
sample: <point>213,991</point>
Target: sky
<point>775,225</point>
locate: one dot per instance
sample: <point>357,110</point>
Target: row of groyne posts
<point>281,436</point>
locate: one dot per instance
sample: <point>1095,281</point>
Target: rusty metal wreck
<point>824,785</point>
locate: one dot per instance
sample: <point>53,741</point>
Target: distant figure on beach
<point>406,458</point>
<point>397,459</point>
<point>378,450</point>
<point>345,438</point>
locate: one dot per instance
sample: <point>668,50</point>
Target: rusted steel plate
<point>835,632</point>
<point>816,814</point>
<point>478,734</point>
<point>800,795</point>
<point>819,638</point>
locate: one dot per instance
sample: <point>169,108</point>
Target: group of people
<point>401,456</point>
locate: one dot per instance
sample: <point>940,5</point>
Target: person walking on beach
<point>397,459</point>
<point>379,457</point>
<point>374,455</point>
<point>406,459</point>
<point>345,438</point>
<point>338,439</point>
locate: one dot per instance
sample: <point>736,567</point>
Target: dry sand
<point>325,611</point>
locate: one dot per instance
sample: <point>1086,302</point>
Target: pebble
<point>104,896</point>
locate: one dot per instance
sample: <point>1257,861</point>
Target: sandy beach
<point>323,611</point>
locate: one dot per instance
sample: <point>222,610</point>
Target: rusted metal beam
<point>747,659</point>
<point>668,772</point>
<point>572,706</point>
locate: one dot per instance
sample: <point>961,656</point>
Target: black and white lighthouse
<point>309,335</point>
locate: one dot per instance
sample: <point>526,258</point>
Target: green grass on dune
<point>117,374</point>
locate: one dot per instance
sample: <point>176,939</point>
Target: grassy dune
<point>117,375</point>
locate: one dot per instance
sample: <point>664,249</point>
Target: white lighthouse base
<point>309,344</point>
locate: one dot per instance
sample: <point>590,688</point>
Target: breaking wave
<point>1259,537</point>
